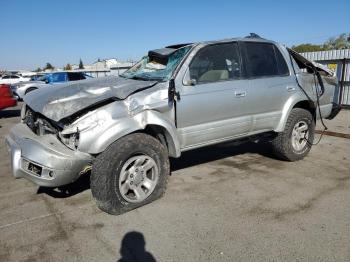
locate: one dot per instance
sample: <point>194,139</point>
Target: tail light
<point>5,91</point>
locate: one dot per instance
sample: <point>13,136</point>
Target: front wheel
<point>295,142</point>
<point>131,172</point>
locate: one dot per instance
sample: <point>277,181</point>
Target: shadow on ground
<point>80,185</point>
<point>217,152</point>
<point>133,248</point>
<point>187,159</point>
<point>10,113</point>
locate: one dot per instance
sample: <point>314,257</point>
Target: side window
<point>58,77</point>
<point>281,63</point>
<point>75,76</point>
<point>261,59</point>
<point>6,77</point>
<point>216,63</point>
<point>14,77</point>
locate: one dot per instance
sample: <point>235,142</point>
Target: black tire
<point>108,165</point>
<point>282,143</point>
<point>30,89</point>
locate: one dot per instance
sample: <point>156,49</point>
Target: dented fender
<point>137,123</point>
<point>100,128</point>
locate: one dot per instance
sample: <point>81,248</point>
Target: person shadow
<point>133,248</point>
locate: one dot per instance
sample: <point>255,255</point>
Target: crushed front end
<point>38,155</point>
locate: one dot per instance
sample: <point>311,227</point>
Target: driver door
<point>213,94</point>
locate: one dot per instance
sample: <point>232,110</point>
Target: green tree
<point>81,65</point>
<point>307,48</point>
<point>67,67</point>
<point>340,42</point>
<point>333,43</point>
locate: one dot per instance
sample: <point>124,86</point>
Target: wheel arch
<point>29,89</point>
<point>164,136</point>
<point>295,102</point>
<point>149,122</point>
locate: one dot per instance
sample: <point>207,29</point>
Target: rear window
<point>264,60</point>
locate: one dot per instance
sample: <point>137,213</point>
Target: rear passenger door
<point>270,84</point>
<point>212,97</point>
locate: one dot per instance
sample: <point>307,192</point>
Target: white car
<point>13,79</point>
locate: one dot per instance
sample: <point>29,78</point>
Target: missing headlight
<point>70,140</point>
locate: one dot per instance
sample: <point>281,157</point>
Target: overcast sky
<point>60,32</point>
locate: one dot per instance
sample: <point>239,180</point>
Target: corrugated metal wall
<point>334,59</point>
<point>327,55</point>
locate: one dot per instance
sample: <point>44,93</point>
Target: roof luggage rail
<point>253,35</point>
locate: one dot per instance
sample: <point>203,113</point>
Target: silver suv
<point>175,99</point>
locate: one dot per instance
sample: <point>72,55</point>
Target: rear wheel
<point>295,142</point>
<point>131,172</point>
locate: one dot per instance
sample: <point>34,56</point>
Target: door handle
<point>291,88</point>
<point>240,94</point>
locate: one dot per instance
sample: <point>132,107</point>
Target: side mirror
<point>191,82</point>
<point>172,94</point>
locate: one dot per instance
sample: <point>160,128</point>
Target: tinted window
<point>6,77</point>
<point>281,63</point>
<point>14,76</point>
<point>262,60</point>
<point>216,63</point>
<point>75,76</point>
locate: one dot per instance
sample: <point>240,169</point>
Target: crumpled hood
<point>62,100</point>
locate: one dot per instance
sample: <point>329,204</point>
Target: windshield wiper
<point>139,78</point>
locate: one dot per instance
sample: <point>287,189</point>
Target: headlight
<point>71,140</point>
<point>15,87</point>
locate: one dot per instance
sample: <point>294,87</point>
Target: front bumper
<point>43,160</point>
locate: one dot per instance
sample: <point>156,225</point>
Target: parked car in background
<point>6,97</point>
<point>13,79</point>
<point>175,99</point>
<point>23,88</point>
<point>36,77</point>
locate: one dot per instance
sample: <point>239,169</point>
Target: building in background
<point>339,62</point>
<point>106,67</point>
<point>99,68</point>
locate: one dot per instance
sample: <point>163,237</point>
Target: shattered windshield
<point>156,68</point>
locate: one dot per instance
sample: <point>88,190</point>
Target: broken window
<point>159,65</point>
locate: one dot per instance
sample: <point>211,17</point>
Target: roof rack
<point>253,35</point>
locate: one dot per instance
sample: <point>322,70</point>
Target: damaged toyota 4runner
<point>175,99</point>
